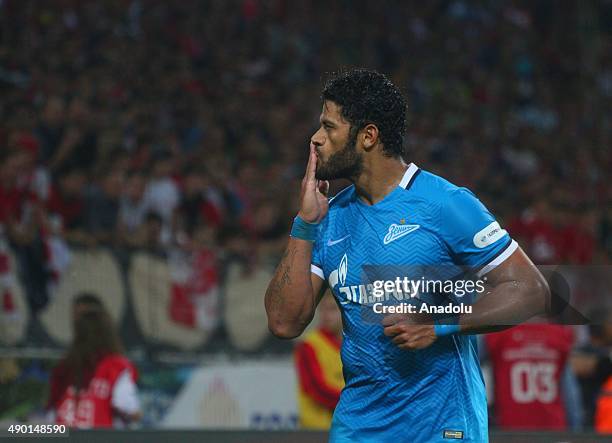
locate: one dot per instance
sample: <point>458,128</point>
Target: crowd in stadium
<point>158,125</point>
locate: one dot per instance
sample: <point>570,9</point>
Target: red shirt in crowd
<point>94,407</point>
<point>550,244</point>
<point>11,201</point>
<point>528,362</point>
<point>69,209</point>
<point>544,242</point>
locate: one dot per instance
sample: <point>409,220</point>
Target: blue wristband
<point>303,230</point>
<point>442,330</point>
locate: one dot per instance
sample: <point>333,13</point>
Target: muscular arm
<point>293,292</point>
<point>519,292</point>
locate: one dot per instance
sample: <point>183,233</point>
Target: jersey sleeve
<point>471,233</point>
<point>125,393</point>
<point>316,264</point>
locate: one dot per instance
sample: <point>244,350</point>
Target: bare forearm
<point>290,300</point>
<point>509,303</point>
<point>292,294</point>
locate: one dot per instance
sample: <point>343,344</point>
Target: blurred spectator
<point>535,229</point>
<point>603,413</point>
<point>68,135</point>
<point>22,224</point>
<point>132,207</point>
<point>270,226</point>
<point>319,369</point>
<point>200,204</point>
<point>67,205</point>
<point>528,363</point>
<point>580,237</point>
<point>149,236</point>
<point>103,205</point>
<point>94,385</point>
<point>162,193</point>
<point>8,280</point>
<point>17,202</point>
<point>85,302</point>
<point>50,129</point>
<point>592,362</point>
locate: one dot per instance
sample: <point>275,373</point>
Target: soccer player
<point>408,378</point>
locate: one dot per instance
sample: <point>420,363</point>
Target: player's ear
<point>369,136</point>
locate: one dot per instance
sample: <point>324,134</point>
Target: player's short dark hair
<point>369,97</point>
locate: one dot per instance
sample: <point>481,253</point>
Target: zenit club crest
<point>398,231</point>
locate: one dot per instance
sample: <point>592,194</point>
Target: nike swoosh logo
<point>331,242</point>
<point>344,302</point>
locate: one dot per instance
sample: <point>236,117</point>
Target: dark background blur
<point>179,131</point>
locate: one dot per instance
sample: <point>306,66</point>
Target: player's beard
<point>346,163</point>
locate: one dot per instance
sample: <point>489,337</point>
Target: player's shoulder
<point>449,198</point>
<point>112,366</point>
<point>114,362</point>
<point>434,186</point>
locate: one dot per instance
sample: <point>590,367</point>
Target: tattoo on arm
<point>282,278</point>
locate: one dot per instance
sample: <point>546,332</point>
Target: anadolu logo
<point>343,269</point>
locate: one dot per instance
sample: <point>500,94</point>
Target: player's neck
<point>378,179</point>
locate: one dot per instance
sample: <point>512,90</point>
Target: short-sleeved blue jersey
<point>391,395</point>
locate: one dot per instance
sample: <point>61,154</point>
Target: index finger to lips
<point>312,165</point>
<point>307,171</point>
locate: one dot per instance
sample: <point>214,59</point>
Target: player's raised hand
<point>313,197</point>
<point>408,331</point>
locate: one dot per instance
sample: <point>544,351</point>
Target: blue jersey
<point>391,395</point>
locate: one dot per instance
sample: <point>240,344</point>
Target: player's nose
<point>317,139</point>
